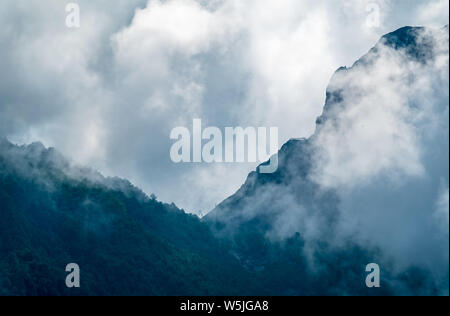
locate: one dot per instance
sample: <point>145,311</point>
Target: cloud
<point>382,145</point>
<point>108,94</point>
<point>434,14</point>
<point>382,114</point>
<point>375,173</point>
<point>374,131</point>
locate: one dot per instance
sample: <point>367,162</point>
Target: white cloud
<point>383,148</point>
<point>434,13</point>
<point>375,131</point>
<point>107,94</point>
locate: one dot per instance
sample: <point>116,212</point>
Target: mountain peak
<point>36,147</point>
<point>310,201</point>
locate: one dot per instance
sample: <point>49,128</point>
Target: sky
<point>108,94</point>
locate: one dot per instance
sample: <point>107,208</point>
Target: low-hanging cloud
<point>374,174</point>
<point>383,147</point>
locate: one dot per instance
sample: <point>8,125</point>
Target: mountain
<point>370,186</point>
<point>125,243</point>
<point>364,187</point>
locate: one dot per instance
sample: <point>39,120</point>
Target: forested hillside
<point>124,242</point>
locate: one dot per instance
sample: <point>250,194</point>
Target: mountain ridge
<point>266,204</point>
<point>124,242</point>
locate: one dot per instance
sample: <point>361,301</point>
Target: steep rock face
<point>364,187</point>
